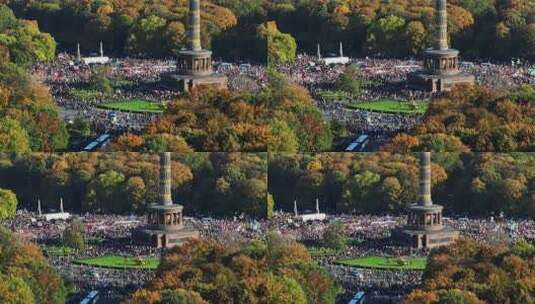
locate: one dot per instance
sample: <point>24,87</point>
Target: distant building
<point>92,60</point>
<point>425,228</point>
<point>194,66</point>
<point>310,217</point>
<point>53,216</point>
<point>340,59</point>
<point>165,224</point>
<point>441,64</point>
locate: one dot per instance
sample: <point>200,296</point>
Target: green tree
<point>350,81</point>
<point>74,236</point>
<point>335,236</point>
<point>8,204</point>
<point>385,36</point>
<point>281,47</point>
<point>147,36</point>
<point>105,192</point>
<point>282,138</point>
<point>100,80</point>
<point>13,138</point>
<point>27,44</point>
<point>7,18</point>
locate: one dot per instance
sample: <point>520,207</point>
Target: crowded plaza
<point>141,79</point>
<point>111,235</point>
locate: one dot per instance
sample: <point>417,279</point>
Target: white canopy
<point>56,216</point>
<point>335,60</point>
<point>95,60</point>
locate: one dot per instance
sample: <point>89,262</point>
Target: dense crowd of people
<point>112,235</point>
<point>381,79</point>
<point>138,80</point>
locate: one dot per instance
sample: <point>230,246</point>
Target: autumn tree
<point>282,117</point>
<point>474,119</point>
<point>25,274</point>
<point>470,272</point>
<point>29,118</point>
<point>273,270</point>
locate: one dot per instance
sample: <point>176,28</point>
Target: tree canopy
<point>30,119</point>
<point>378,183</point>
<point>397,28</point>
<point>282,117</point>
<point>280,47</point>
<point>133,27</point>
<point>25,275</point>
<point>476,119</point>
<point>8,204</point>
<point>21,40</point>
<point>128,182</point>
<point>274,270</point>
<point>469,272</point>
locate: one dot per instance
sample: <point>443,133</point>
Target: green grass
<point>115,261</point>
<point>53,250</point>
<point>379,262</point>
<point>134,105</point>
<point>390,106</point>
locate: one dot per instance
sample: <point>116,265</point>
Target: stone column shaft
<point>425,179</point>
<point>165,179</point>
<point>441,16</point>
<point>194,26</point>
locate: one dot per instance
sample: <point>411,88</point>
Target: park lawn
<point>390,106</point>
<point>116,261</point>
<point>134,105</point>
<point>379,262</point>
<point>53,250</point>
